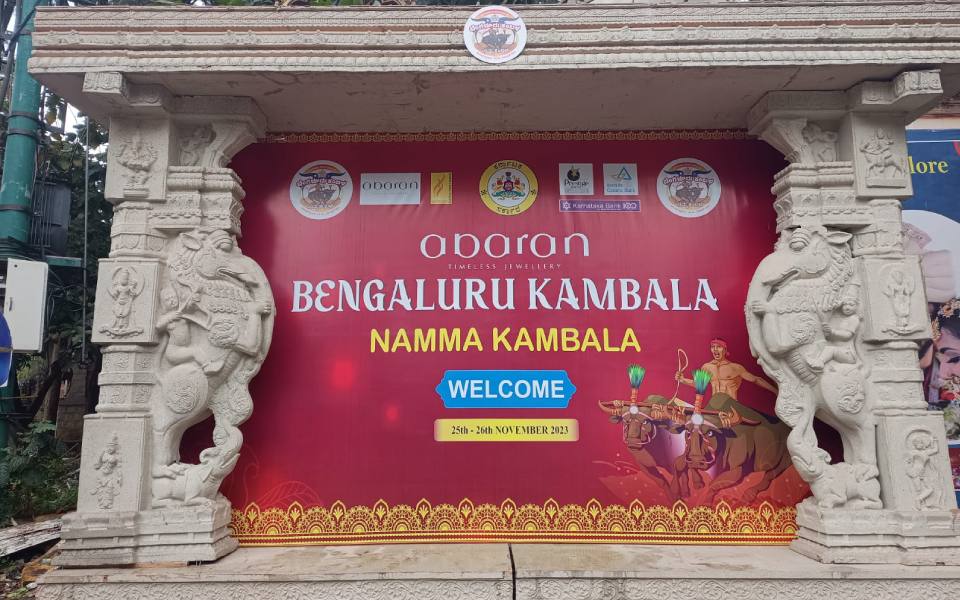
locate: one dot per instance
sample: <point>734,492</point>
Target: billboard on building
<point>527,337</point>
<point>932,231</point>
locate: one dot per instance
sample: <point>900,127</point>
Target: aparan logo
<point>389,188</point>
<point>498,245</point>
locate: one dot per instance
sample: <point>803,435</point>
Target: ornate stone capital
<point>120,96</point>
<point>799,139</point>
<point>211,129</point>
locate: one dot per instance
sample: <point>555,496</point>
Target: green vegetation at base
<point>38,475</point>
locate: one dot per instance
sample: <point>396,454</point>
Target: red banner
<point>511,337</point>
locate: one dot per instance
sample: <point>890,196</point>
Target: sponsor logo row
<point>687,187</point>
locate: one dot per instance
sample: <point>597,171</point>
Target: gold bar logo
<point>441,188</point>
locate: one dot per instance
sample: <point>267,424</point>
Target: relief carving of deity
<point>126,284</point>
<point>921,447</point>
<point>821,144</point>
<point>138,157</point>
<point>194,143</point>
<point>882,160</point>
<point>109,478</point>
<point>899,288</point>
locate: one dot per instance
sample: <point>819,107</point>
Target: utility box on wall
<point>25,303</point>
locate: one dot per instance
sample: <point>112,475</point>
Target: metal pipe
<point>11,50</point>
<point>20,154</point>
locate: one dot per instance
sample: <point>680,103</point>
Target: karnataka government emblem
<point>321,189</point>
<point>508,187</point>
<point>688,187</point>
<point>495,34</point>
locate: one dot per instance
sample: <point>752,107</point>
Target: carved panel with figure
<point>127,310</point>
<point>896,300</point>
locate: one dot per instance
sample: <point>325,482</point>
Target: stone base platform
<point>183,533</point>
<point>505,572</point>
<point>929,537</point>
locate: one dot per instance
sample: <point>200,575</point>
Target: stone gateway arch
<point>834,312</point>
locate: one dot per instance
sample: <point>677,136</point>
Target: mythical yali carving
<point>216,325</point>
<point>803,314</point>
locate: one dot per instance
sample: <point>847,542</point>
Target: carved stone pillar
<point>184,320</point>
<point>835,313</point>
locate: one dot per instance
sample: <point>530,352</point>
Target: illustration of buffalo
<point>641,423</point>
<point>749,442</point>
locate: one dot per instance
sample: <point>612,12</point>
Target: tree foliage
<point>60,159</point>
<point>37,475</point>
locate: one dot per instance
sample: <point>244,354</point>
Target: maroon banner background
<point>337,429</point>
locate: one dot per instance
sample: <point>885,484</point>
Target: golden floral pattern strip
<point>481,136</point>
<point>590,522</point>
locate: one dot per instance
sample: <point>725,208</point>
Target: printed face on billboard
<point>511,339</point>
<point>932,232</point>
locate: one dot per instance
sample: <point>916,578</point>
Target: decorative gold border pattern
<point>519,136</point>
<point>549,522</point>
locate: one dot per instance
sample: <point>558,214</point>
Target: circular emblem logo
<point>508,187</point>
<point>688,187</point>
<point>321,189</point>
<point>495,34</point>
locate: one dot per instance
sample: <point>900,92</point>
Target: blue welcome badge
<point>505,389</point>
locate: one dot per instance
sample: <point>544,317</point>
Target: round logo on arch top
<point>688,187</point>
<point>508,187</point>
<point>321,189</point>
<point>495,34</point>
